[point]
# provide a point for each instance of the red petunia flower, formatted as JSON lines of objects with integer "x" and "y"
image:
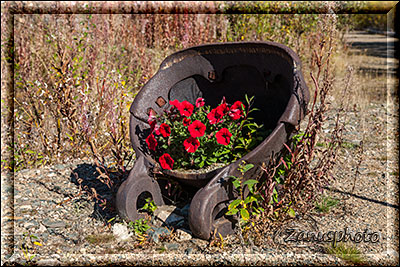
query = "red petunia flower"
{"x": 175, "y": 103}
{"x": 152, "y": 125}
{"x": 215, "y": 115}
{"x": 197, "y": 129}
{"x": 236, "y": 110}
{"x": 238, "y": 105}
{"x": 235, "y": 114}
{"x": 191, "y": 144}
{"x": 166, "y": 162}
{"x": 223, "y": 136}
{"x": 186, "y": 121}
{"x": 200, "y": 102}
{"x": 186, "y": 109}
{"x": 151, "y": 142}
{"x": 165, "y": 130}
{"x": 223, "y": 108}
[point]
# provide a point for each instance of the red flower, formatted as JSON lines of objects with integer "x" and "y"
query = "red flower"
{"x": 165, "y": 130}
{"x": 176, "y": 104}
{"x": 166, "y": 162}
{"x": 215, "y": 115}
{"x": 236, "y": 110}
{"x": 151, "y": 142}
{"x": 200, "y": 102}
{"x": 197, "y": 129}
{"x": 223, "y": 108}
{"x": 191, "y": 144}
{"x": 223, "y": 136}
{"x": 238, "y": 105}
{"x": 186, "y": 121}
{"x": 186, "y": 109}
{"x": 152, "y": 124}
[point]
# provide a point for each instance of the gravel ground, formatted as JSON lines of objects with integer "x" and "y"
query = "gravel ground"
{"x": 70, "y": 227}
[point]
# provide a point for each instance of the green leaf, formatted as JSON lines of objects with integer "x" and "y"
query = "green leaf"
{"x": 70, "y": 137}
{"x": 201, "y": 164}
{"x": 244, "y": 214}
{"x": 37, "y": 243}
{"x": 250, "y": 199}
{"x": 234, "y": 204}
{"x": 275, "y": 195}
{"x": 250, "y": 182}
{"x": 247, "y": 167}
{"x": 258, "y": 210}
{"x": 236, "y": 183}
{"x": 292, "y": 213}
{"x": 232, "y": 212}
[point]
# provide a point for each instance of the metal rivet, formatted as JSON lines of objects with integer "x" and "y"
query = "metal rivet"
{"x": 150, "y": 110}
{"x": 212, "y": 75}
{"x": 160, "y": 101}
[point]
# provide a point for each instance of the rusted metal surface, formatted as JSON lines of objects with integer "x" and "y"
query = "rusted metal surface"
{"x": 269, "y": 71}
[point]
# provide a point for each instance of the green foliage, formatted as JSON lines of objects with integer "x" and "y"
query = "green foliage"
{"x": 139, "y": 226}
{"x": 245, "y": 135}
{"x": 283, "y": 168}
{"x": 325, "y": 204}
{"x": 149, "y": 206}
{"x": 245, "y": 206}
{"x": 30, "y": 242}
{"x": 347, "y": 252}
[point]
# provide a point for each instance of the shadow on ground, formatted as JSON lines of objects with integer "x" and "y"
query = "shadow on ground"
{"x": 375, "y": 45}
{"x": 102, "y": 190}
{"x": 93, "y": 182}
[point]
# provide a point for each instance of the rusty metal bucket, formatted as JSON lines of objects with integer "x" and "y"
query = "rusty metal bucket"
{"x": 269, "y": 71}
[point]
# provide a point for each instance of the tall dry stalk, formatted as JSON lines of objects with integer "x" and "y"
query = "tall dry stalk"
{"x": 307, "y": 167}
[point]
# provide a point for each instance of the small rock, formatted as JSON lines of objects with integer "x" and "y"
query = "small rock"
{"x": 154, "y": 233}
{"x": 53, "y": 224}
{"x": 29, "y": 225}
{"x": 188, "y": 251}
{"x": 59, "y": 166}
{"x": 48, "y": 262}
{"x": 121, "y": 232}
{"x": 171, "y": 246}
{"x": 392, "y": 253}
{"x": 25, "y": 207}
{"x": 182, "y": 235}
{"x": 166, "y": 214}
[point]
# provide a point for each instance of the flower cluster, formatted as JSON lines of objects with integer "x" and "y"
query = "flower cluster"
{"x": 194, "y": 135}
